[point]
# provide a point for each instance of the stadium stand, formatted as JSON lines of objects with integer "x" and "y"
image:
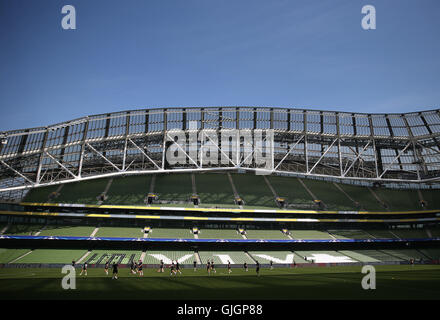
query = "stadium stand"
{"x": 358, "y": 256}
{"x": 324, "y": 257}
{"x": 128, "y": 190}
{"x": 219, "y": 234}
{"x": 381, "y": 234}
{"x": 405, "y": 254}
{"x": 85, "y": 192}
{"x": 24, "y": 229}
{"x": 432, "y": 198}
{"x": 222, "y": 257}
{"x": 253, "y": 190}
{"x": 299, "y": 259}
{"x": 51, "y": 256}
{"x": 9, "y": 255}
{"x": 378, "y": 255}
{"x": 332, "y": 197}
{"x": 214, "y": 190}
{"x": 67, "y": 231}
{"x": 309, "y": 234}
{"x": 336, "y": 176}
{"x": 410, "y": 233}
{"x": 24, "y": 256}
{"x": 274, "y": 256}
{"x": 265, "y": 234}
{"x": 398, "y": 199}
{"x": 350, "y": 234}
{"x": 171, "y": 233}
{"x": 174, "y": 188}
{"x": 293, "y": 190}
{"x": 365, "y": 199}
{"x": 435, "y": 232}
{"x": 120, "y": 232}
{"x": 374, "y": 234}
{"x": 41, "y": 194}
{"x": 431, "y": 253}
{"x": 118, "y": 256}
{"x": 154, "y": 257}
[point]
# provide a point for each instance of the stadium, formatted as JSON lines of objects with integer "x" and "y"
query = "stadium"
{"x": 335, "y": 191}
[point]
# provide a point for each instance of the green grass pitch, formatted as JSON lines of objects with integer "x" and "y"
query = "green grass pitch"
{"x": 392, "y": 282}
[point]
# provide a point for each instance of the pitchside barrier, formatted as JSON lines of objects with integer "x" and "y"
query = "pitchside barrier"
{"x": 202, "y": 267}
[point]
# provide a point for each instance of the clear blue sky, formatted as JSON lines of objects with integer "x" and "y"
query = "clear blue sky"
{"x": 138, "y": 54}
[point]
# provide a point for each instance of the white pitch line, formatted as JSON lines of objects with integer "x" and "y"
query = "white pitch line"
{"x": 83, "y": 257}
{"x": 38, "y": 233}
{"x": 88, "y": 252}
{"x": 24, "y": 255}
{"x": 5, "y": 228}
{"x": 197, "y": 257}
{"x": 331, "y": 235}
{"x": 142, "y": 257}
{"x": 94, "y": 232}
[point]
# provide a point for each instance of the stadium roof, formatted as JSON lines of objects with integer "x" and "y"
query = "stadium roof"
{"x": 356, "y": 146}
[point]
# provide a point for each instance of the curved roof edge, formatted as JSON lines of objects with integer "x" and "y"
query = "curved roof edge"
{"x": 122, "y": 112}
